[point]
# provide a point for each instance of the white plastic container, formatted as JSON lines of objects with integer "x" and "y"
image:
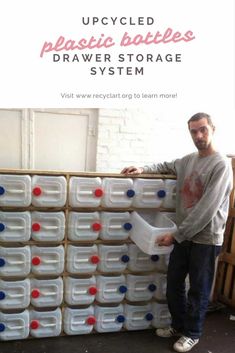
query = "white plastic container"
{"x": 171, "y": 215}
{"x": 111, "y": 289}
{"x": 85, "y": 191}
{"x": 15, "y": 190}
{"x": 148, "y": 226}
{"x": 161, "y": 315}
{"x": 48, "y": 226}
{"x": 47, "y": 260}
{"x": 84, "y": 225}
{"x": 46, "y": 292}
{"x": 160, "y": 280}
{"x": 45, "y": 323}
{"x": 109, "y": 319}
{"x": 170, "y": 200}
{"x": 49, "y": 191}
{"x": 115, "y": 225}
{"x": 14, "y": 326}
{"x": 138, "y": 317}
{"x": 82, "y": 259}
{"x": 113, "y": 258}
{"x": 15, "y": 226}
{"x": 139, "y": 287}
{"x": 141, "y": 262}
{"x": 80, "y": 291}
{"x": 15, "y": 262}
{"x": 14, "y": 294}
{"x": 118, "y": 192}
{"x": 149, "y": 193}
{"x": 162, "y": 264}
{"x": 78, "y": 321}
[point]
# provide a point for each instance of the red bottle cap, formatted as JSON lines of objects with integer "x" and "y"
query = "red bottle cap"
{"x": 92, "y": 290}
{"x": 91, "y": 320}
{"x": 98, "y": 192}
{"x": 36, "y": 227}
{"x": 37, "y": 191}
{"x": 35, "y": 293}
{"x": 94, "y": 259}
{"x": 34, "y": 324}
{"x": 36, "y": 260}
{"x": 96, "y": 227}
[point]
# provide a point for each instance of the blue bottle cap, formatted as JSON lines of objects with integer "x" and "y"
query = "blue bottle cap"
{"x": 2, "y": 295}
{"x": 125, "y": 258}
{"x": 2, "y": 327}
{"x": 130, "y": 193}
{"x": 127, "y": 226}
{"x": 2, "y": 262}
{"x": 152, "y": 287}
{"x": 2, "y": 227}
{"x": 155, "y": 258}
{"x": 120, "y": 318}
{"x": 122, "y": 289}
{"x": 149, "y": 316}
{"x": 2, "y": 190}
{"x": 161, "y": 193}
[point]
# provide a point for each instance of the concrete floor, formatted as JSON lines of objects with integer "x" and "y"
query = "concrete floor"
{"x": 219, "y": 337}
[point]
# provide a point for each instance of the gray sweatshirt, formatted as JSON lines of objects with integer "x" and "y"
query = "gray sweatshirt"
{"x": 202, "y": 197}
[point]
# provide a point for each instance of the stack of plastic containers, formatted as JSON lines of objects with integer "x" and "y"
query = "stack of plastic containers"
{"x": 78, "y": 253}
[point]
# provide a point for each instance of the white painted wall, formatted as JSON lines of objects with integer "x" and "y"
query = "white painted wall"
{"x": 103, "y": 140}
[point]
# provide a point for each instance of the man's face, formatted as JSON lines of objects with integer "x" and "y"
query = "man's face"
{"x": 201, "y": 133}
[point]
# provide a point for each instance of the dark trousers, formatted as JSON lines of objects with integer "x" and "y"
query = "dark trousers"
{"x": 188, "y": 309}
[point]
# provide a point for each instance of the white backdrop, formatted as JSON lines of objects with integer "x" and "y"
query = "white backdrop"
{"x": 202, "y": 81}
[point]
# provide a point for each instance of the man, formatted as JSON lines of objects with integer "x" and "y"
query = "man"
{"x": 204, "y": 183}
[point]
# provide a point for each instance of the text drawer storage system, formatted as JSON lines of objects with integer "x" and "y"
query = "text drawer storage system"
{"x": 68, "y": 265}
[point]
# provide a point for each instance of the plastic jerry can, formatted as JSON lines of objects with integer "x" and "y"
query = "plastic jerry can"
{"x": 45, "y": 323}
{"x": 141, "y": 262}
{"x": 161, "y": 315}
{"x": 84, "y": 225}
{"x": 14, "y": 294}
{"x": 78, "y": 321}
{"x": 49, "y": 191}
{"x": 15, "y": 190}
{"x": 149, "y": 193}
{"x": 138, "y": 317}
{"x": 115, "y": 225}
{"x": 15, "y": 226}
{"x": 14, "y": 326}
{"x": 171, "y": 215}
{"x": 85, "y": 191}
{"x": 80, "y": 291}
{"x": 139, "y": 287}
{"x": 82, "y": 259}
{"x": 162, "y": 264}
{"x": 46, "y": 292}
{"x": 48, "y": 226}
{"x": 47, "y": 260}
{"x": 170, "y": 200}
{"x": 15, "y": 262}
{"x": 113, "y": 258}
{"x": 111, "y": 289}
{"x": 148, "y": 226}
{"x": 109, "y": 319}
{"x": 161, "y": 283}
{"x": 118, "y": 192}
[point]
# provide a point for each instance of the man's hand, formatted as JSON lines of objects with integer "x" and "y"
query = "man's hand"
{"x": 165, "y": 240}
{"x": 132, "y": 170}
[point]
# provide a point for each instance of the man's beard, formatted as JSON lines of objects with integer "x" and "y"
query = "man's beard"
{"x": 201, "y": 145}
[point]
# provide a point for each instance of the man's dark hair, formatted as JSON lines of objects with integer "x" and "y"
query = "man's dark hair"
{"x": 199, "y": 116}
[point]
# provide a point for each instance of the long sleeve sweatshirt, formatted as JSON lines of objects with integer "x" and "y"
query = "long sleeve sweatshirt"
{"x": 202, "y": 196}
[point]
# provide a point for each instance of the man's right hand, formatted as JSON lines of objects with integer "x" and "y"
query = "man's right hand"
{"x": 132, "y": 170}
